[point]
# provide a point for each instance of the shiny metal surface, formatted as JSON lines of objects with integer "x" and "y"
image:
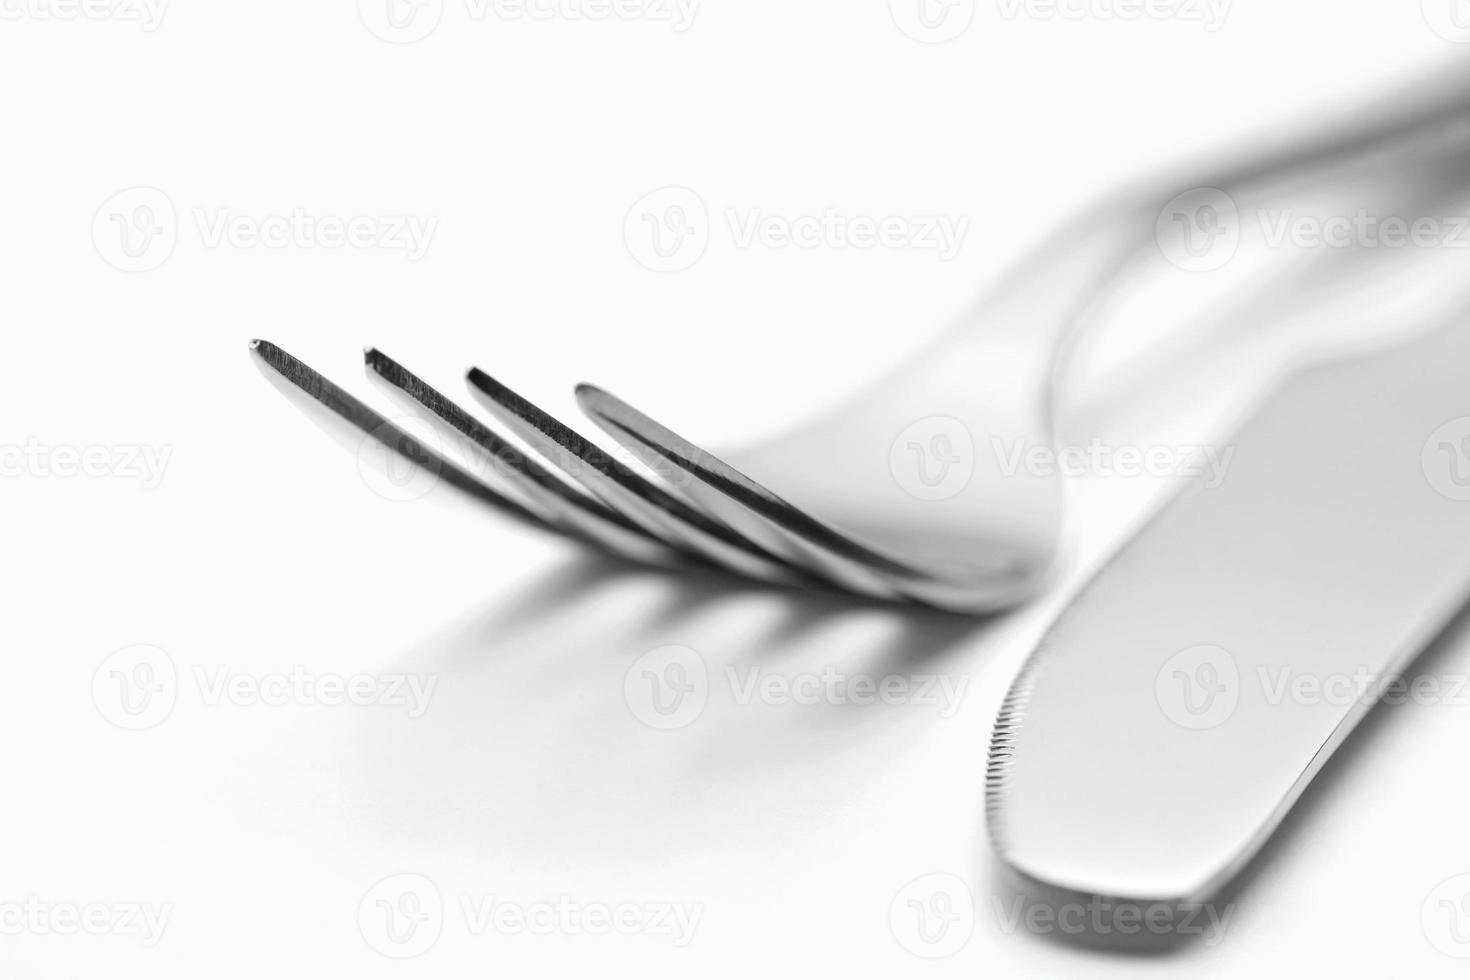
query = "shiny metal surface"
{"x": 563, "y": 508}
{"x": 369, "y": 420}
{"x": 900, "y": 492}
{"x": 651, "y": 506}
{"x": 1179, "y": 706}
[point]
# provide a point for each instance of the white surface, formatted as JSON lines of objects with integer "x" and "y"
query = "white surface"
{"x": 793, "y": 827}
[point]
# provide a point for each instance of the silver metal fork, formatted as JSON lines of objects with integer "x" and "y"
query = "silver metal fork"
{"x": 889, "y": 496}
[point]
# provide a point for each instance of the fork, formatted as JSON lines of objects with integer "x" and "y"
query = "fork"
{"x": 895, "y": 500}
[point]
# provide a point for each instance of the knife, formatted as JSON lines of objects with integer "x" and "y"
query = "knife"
{"x": 1182, "y": 702}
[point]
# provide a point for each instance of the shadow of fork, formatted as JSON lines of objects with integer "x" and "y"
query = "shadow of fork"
{"x": 532, "y": 740}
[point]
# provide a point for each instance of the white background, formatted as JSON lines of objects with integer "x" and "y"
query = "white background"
{"x": 794, "y": 828}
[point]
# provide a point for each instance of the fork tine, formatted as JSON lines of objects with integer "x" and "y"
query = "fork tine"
{"x": 377, "y": 426}
{"x": 645, "y": 503}
{"x": 754, "y": 510}
{"x": 563, "y": 504}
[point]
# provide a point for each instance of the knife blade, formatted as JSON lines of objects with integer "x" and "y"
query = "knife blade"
{"x": 1182, "y": 702}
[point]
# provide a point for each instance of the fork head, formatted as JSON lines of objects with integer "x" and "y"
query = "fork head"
{"x": 880, "y": 521}
{"x": 701, "y": 512}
